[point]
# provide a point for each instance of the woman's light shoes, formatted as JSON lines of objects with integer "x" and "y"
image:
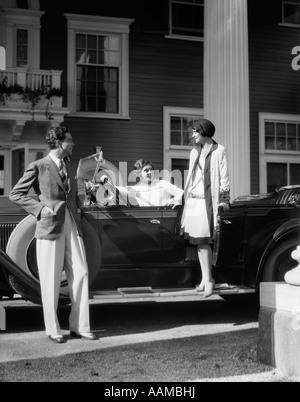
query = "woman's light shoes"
{"x": 201, "y": 287}
{"x": 207, "y": 289}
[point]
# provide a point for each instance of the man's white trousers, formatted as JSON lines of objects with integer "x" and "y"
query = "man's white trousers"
{"x": 53, "y": 256}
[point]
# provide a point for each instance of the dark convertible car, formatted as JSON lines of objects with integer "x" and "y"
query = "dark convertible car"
{"x": 140, "y": 253}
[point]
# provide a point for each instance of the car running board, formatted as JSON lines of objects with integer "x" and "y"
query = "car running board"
{"x": 149, "y": 292}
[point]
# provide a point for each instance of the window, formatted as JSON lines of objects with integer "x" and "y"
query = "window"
{"x": 98, "y": 62}
{"x": 187, "y": 19}
{"x": 178, "y": 124}
{"x": 18, "y": 163}
{"x": 282, "y": 136}
{"x": 279, "y": 150}
{"x": 22, "y": 47}
{"x": 181, "y": 131}
{"x": 282, "y": 174}
{"x": 98, "y": 80}
{"x": 290, "y": 14}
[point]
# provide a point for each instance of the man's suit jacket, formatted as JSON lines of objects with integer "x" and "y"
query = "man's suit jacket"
{"x": 43, "y": 176}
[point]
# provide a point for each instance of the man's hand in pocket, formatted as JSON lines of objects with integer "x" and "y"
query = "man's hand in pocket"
{"x": 47, "y": 212}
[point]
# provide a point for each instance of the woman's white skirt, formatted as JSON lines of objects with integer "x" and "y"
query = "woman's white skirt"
{"x": 195, "y": 225}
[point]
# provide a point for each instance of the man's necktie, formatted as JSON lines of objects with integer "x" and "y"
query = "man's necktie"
{"x": 63, "y": 175}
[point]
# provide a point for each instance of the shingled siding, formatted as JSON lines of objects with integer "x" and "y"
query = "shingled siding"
{"x": 163, "y": 72}
{"x": 274, "y": 85}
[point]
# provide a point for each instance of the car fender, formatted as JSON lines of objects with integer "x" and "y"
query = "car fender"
{"x": 288, "y": 229}
{"x": 30, "y": 287}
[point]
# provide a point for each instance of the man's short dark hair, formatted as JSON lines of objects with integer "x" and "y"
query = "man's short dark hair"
{"x": 54, "y": 134}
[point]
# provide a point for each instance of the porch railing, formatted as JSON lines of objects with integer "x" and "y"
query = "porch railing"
{"x": 33, "y": 79}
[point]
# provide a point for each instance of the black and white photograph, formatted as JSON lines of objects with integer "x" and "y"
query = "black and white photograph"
{"x": 150, "y": 194}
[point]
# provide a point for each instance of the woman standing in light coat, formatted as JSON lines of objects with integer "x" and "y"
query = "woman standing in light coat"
{"x": 206, "y": 189}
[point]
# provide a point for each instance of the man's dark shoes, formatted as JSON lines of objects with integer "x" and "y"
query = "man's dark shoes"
{"x": 57, "y": 338}
{"x": 89, "y": 336}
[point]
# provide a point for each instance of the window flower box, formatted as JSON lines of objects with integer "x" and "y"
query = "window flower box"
{"x": 15, "y": 101}
{"x": 55, "y": 101}
{"x": 18, "y": 97}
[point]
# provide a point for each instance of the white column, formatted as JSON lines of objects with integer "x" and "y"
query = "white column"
{"x": 226, "y": 85}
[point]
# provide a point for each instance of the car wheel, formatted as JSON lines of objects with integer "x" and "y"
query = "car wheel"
{"x": 280, "y": 261}
{"x": 21, "y": 248}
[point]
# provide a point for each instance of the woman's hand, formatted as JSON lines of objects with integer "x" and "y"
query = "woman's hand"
{"x": 225, "y": 206}
{"x": 172, "y": 203}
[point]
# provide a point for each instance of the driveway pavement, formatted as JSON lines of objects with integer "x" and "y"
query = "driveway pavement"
{"x": 204, "y": 341}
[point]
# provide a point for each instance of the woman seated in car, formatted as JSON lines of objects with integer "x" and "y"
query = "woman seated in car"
{"x": 150, "y": 191}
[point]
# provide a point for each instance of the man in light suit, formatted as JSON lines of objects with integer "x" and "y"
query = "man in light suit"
{"x": 58, "y": 233}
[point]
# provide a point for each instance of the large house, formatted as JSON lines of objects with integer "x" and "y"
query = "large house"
{"x": 134, "y": 76}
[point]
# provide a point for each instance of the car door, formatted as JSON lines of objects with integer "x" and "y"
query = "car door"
{"x": 131, "y": 247}
{"x": 230, "y": 247}
{"x": 173, "y": 244}
{"x": 131, "y": 237}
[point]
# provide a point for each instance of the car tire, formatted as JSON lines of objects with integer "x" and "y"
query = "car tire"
{"x": 280, "y": 261}
{"x": 21, "y": 248}
{"x": 277, "y": 264}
